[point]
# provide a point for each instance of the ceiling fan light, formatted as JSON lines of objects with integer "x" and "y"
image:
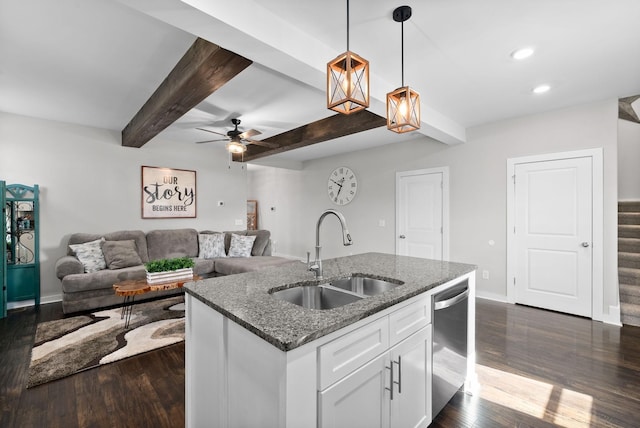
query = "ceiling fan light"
{"x": 236, "y": 147}
{"x": 403, "y": 110}
{"x": 348, "y": 83}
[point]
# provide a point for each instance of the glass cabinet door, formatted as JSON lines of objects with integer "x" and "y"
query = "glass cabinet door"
{"x": 20, "y": 233}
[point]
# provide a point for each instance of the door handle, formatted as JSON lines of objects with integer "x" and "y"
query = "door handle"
{"x": 585, "y": 244}
{"x": 401, "y": 236}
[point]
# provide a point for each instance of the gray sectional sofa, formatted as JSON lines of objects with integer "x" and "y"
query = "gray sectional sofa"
{"x": 82, "y": 291}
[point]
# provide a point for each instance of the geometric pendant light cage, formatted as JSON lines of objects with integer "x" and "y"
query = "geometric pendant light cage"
{"x": 403, "y": 110}
{"x": 348, "y": 81}
{"x": 403, "y": 104}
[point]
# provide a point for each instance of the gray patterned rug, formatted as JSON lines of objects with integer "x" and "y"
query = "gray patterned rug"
{"x": 70, "y": 345}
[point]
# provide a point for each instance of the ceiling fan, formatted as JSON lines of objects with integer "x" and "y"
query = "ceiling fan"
{"x": 237, "y": 140}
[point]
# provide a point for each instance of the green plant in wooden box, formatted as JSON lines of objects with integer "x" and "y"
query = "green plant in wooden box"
{"x": 169, "y": 270}
{"x": 164, "y": 265}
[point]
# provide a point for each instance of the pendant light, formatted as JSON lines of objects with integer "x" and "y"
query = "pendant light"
{"x": 403, "y": 104}
{"x": 348, "y": 81}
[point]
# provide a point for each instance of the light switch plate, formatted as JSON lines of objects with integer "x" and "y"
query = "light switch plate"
{"x": 238, "y": 222}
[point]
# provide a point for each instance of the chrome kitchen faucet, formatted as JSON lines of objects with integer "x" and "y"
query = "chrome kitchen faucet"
{"x": 346, "y": 240}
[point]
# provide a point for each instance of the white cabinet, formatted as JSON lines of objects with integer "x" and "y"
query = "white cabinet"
{"x": 392, "y": 389}
{"x": 359, "y": 400}
{"x": 343, "y": 379}
{"x": 411, "y": 403}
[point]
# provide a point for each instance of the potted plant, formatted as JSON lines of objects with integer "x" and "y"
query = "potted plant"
{"x": 168, "y": 270}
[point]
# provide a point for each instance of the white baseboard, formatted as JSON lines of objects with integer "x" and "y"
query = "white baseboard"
{"x": 491, "y": 296}
{"x": 31, "y": 302}
{"x": 613, "y": 317}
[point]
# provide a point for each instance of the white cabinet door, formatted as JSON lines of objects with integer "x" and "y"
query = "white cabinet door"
{"x": 358, "y": 400}
{"x": 411, "y": 403}
{"x": 363, "y": 398}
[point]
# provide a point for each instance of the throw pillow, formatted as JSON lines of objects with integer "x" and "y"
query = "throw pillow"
{"x": 90, "y": 255}
{"x": 241, "y": 245}
{"x": 121, "y": 254}
{"x": 211, "y": 245}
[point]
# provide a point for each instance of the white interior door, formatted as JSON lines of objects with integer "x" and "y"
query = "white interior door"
{"x": 553, "y": 235}
{"x": 420, "y": 214}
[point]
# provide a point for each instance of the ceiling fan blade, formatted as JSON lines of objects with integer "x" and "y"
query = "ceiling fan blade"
{"x": 249, "y": 133}
{"x": 211, "y": 141}
{"x": 261, "y": 143}
{"x": 213, "y": 132}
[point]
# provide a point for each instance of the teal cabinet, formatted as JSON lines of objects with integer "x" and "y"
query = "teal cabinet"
{"x": 21, "y": 249}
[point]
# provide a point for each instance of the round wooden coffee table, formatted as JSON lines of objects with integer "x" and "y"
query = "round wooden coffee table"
{"x": 133, "y": 287}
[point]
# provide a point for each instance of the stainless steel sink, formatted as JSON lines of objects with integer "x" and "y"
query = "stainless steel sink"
{"x": 316, "y": 297}
{"x": 364, "y": 286}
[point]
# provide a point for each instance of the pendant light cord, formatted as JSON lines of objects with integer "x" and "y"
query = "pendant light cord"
{"x": 347, "y": 25}
{"x": 402, "y": 49}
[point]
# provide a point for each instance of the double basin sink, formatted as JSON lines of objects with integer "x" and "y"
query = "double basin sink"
{"x": 335, "y": 293}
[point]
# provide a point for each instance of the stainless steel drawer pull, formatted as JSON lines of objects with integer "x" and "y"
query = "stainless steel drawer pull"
{"x": 399, "y": 382}
{"x": 391, "y": 381}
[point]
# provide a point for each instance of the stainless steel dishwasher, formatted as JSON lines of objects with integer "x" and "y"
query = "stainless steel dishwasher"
{"x": 450, "y": 314}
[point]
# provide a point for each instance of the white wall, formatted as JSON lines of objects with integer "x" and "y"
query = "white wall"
{"x": 477, "y": 188}
{"x": 278, "y": 192}
{"x": 90, "y": 183}
{"x": 628, "y": 160}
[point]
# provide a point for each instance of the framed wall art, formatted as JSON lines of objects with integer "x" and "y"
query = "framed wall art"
{"x": 168, "y": 193}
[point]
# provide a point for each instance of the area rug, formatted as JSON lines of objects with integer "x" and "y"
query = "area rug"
{"x": 70, "y": 345}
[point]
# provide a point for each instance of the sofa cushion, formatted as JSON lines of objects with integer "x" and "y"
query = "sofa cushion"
{"x": 171, "y": 243}
{"x": 241, "y": 245}
{"x": 80, "y": 238}
{"x": 102, "y": 279}
{"x": 211, "y": 245}
{"x": 230, "y": 266}
{"x": 90, "y": 255}
{"x": 137, "y": 235}
{"x": 203, "y": 266}
{"x": 259, "y": 245}
{"x": 121, "y": 254}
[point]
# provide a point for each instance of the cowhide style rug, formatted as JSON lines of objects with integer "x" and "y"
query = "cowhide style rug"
{"x": 70, "y": 345}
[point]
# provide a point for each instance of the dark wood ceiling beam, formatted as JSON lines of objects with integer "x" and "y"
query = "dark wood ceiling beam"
{"x": 203, "y": 69}
{"x": 326, "y": 129}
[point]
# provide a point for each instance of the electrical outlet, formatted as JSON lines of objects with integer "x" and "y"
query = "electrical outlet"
{"x": 238, "y": 222}
{"x": 485, "y": 274}
{"x": 382, "y": 223}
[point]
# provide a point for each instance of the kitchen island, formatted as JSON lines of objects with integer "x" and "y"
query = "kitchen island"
{"x": 255, "y": 360}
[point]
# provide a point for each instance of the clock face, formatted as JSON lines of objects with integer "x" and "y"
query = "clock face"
{"x": 342, "y": 185}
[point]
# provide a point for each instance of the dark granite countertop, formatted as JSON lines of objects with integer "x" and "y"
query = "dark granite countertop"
{"x": 245, "y": 299}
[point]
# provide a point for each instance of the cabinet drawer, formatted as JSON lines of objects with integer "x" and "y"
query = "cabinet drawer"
{"x": 345, "y": 354}
{"x": 406, "y": 321}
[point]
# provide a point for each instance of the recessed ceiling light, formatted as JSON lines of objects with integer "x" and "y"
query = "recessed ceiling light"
{"x": 541, "y": 89}
{"x": 522, "y": 53}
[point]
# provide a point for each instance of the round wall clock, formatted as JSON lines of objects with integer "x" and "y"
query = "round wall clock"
{"x": 342, "y": 185}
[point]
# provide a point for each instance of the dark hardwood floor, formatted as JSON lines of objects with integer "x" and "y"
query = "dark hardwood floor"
{"x": 535, "y": 369}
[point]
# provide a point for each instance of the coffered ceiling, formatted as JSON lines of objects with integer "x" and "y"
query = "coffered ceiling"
{"x": 96, "y": 62}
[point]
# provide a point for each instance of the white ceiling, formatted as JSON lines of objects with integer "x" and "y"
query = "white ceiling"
{"x": 95, "y": 62}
